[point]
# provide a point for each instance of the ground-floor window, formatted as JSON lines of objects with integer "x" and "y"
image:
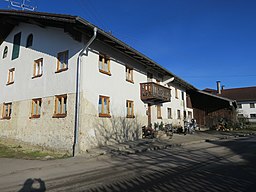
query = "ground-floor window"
{"x": 253, "y": 116}
{"x": 103, "y": 106}
{"x": 7, "y": 111}
{"x": 130, "y": 109}
{"x": 169, "y": 113}
{"x": 159, "y": 113}
{"x": 60, "y": 109}
{"x": 36, "y": 108}
{"x": 178, "y": 114}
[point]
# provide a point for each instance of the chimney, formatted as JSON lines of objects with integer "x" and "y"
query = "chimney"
{"x": 218, "y": 87}
{"x": 222, "y": 87}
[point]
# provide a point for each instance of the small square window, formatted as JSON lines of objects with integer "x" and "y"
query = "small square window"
{"x": 62, "y": 61}
{"x": 7, "y": 111}
{"x": 253, "y": 116}
{"x": 10, "y": 79}
{"x": 130, "y": 109}
{"x": 36, "y": 108}
{"x": 103, "y": 106}
{"x": 38, "y": 68}
{"x": 252, "y": 105}
{"x": 176, "y": 93}
{"x": 60, "y": 109}
{"x": 239, "y": 106}
{"x": 129, "y": 74}
{"x": 104, "y": 64}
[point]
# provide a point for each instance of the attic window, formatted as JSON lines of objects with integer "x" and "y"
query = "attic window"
{"x": 16, "y": 46}
{"x": 29, "y": 41}
{"x": 5, "y": 52}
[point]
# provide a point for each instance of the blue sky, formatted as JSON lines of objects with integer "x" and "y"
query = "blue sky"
{"x": 201, "y": 41}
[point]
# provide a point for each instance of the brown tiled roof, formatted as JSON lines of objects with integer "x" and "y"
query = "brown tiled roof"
{"x": 238, "y": 94}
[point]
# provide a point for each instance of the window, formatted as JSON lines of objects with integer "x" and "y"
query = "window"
{"x": 184, "y": 114}
{"x": 62, "y": 61}
{"x": 5, "y": 52}
{"x": 104, "y": 64}
{"x": 239, "y": 106}
{"x": 36, "y": 108}
{"x": 129, "y": 74}
{"x": 130, "y": 109}
{"x": 29, "y": 41}
{"x": 159, "y": 114}
{"x": 169, "y": 113}
{"x": 176, "y": 93}
{"x": 60, "y": 109}
{"x": 11, "y": 74}
{"x": 7, "y": 111}
{"x": 182, "y": 96}
{"x": 252, "y": 105}
{"x": 38, "y": 68}
{"x": 253, "y": 116}
{"x": 189, "y": 115}
{"x": 240, "y": 115}
{"x": 178, "y": 114}
{"x": 103, "y": 106}
{"x": 16, "y": 46}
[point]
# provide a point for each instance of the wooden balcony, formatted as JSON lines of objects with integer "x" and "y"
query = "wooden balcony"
{"x": 154, "y": 93}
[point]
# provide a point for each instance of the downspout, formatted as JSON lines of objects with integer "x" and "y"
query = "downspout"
{"x": 77, "y": 105}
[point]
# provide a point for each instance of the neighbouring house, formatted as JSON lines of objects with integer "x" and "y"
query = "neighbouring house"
{"x": 244, "y": 96}
{"x": 67, "y": 85}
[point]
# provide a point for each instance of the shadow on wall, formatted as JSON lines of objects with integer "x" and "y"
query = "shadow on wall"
{"x": 33, "y": 185}
{"x": 117, "y": 130}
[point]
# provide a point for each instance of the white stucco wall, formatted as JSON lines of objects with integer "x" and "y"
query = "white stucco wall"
{"x": 246, "y": 110}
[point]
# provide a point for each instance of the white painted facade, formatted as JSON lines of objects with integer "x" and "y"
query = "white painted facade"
{"x": 247, "y": 109}
{"x": 58, "y": 133}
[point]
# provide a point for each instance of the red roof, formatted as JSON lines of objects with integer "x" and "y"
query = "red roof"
{"x": 238, "y": 94}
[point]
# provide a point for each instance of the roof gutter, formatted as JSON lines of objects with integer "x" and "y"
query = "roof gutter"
{"x": 77, "y": 105}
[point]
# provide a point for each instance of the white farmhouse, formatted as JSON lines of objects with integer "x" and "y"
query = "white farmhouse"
{"x": 68, "y": 85}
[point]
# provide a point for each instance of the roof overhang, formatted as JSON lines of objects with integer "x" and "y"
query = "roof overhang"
{"x": 77, "y": 26}
{"x": 209, "y": 102}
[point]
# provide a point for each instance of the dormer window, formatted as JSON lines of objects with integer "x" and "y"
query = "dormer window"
{"x": 29, "y": 41}
{"x": 5, "y": 52}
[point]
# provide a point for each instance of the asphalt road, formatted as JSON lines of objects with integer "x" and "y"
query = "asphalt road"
{"x": 225, "y": 165}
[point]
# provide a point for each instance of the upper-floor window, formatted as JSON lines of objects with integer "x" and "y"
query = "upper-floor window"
{"x": 129, "y": 74}
{"x": 38, "y": 68}
{"x": 130, "y": 109}
{"x": 176, "y": 93}
{"x": 104, "y": 64}
{"x": 7, "y": 111}
{"x": 29, "y": 41}
{"x": 182, "y": 95}
{"x": 103, "y": 106}
{"x": 252, "y": 105}
{"x": 169, "y": 113}
{"x": 5, "y": 52}
{"x": 239, "y": 106}
{"x": 60, "y": 109}
{"x": 11, "y": 73}
{"x": 16, "y": 46}
{"x": 159, "y": 112}
{"x": 62, "y": 61}
{"x": 36, "y": 108}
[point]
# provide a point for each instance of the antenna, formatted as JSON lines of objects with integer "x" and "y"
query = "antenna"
{"x": 22, "y": 5}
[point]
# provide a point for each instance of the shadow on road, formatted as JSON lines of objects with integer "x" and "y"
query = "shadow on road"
{"x": 33, "y": 185}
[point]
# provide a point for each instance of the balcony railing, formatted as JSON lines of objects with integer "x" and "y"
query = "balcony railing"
{"x": 154, "y": 93}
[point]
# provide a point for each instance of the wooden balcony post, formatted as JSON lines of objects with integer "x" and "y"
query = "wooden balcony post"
{"x": 149, "y": 115}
